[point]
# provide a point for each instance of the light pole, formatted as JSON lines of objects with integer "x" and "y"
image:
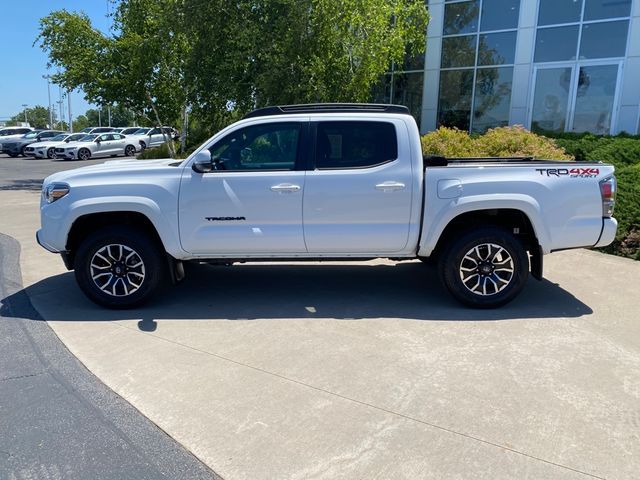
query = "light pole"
{"x": 70, "y": 116}
{"x": 48, "y": 78}
{"x": 24, "y": 106}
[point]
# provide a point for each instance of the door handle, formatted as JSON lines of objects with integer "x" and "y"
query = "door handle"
{"x": 285, "y": 187}
{"x": 390, "y": 186}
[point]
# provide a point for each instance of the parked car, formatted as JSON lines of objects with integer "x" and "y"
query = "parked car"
{"x": 154, "y": 137}
{"x": 129, "y": 130}
{"x": 17, "y": 146}
{"x": 96, "y": 146}
{"x": 89, "y": 130}
{"x": 314, "y": 182}
{"x": 7, "y": 133}
{"x": 47, "y": 149}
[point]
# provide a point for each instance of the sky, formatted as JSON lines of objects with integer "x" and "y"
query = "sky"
{"x": 22, "y": 64}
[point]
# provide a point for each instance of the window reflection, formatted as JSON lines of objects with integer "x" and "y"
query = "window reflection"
{"x": 593, "y": 45}
{"x": 499, "y": 14}
{"x": 550, "y": 100}
{"x": 557, "y": 43}
{"x": 552, "y": 12}
{"x": 459, "y": 51}
{"x": 454, "y": 108}
{"x": 461, "y": 17}
{"x": 599, "y": 9}
{"x": 594, "y": 99}
{"x": 497, "y": 48}
{"x": 492, "y": 98}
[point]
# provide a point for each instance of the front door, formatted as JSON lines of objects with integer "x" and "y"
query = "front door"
{"x": 252, "y": 202}
{"x": 358, "y": 197}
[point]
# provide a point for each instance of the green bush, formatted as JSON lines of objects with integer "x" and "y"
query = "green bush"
{"x": 513, "y": 141}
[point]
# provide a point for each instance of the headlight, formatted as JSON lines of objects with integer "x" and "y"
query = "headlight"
{"x": 55, "y": 191}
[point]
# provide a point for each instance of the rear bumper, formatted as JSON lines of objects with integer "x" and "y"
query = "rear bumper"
{"x": 608, "y": 233}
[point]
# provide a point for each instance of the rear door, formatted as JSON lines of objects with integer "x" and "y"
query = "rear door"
{"x": 252, "y": 202}
{"x": 358, "y": 192}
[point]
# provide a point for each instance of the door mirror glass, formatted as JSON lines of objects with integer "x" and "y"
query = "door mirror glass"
{"x": 202, "y": 162}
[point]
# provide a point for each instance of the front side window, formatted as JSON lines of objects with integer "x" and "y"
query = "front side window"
{"x": 271, "y": 146}
{"x": 355, "y": 144}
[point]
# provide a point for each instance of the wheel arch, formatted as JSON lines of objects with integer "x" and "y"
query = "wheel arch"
{"x": 512, "y": 219}
{"x": 88, "y": 223}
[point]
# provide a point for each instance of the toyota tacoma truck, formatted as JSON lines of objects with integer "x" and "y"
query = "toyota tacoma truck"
{"x": 319, "y": 182}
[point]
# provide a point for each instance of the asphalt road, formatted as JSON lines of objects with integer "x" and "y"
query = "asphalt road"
{"x": 27, "y": 173}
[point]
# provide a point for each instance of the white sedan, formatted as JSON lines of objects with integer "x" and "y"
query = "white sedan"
{"x": 47, "y": 149}
{"x": 95, "y": 146}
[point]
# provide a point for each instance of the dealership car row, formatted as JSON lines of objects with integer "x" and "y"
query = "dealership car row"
{"x": 91, "y": 142}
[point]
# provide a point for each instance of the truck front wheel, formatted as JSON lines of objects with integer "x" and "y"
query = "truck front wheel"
{"x": 485, "y": 268}
{"x": 119, "y": 267}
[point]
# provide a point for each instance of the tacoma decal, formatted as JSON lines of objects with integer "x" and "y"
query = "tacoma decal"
{"x": 224, "y": 219}
{"x": 571, "y": 172}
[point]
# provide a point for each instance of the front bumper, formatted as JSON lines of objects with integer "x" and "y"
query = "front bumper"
{"x": 608, "y": 234}
{"x": 45, "y": 245}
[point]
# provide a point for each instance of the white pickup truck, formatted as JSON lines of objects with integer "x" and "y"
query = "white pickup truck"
{"x": 328, "y": 181}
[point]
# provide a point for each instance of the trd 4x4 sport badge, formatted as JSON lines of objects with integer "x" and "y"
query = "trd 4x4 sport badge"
{"x": 571, "y": 172}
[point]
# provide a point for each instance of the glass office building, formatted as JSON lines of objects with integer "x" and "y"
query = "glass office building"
{"x": 550, "y": 65}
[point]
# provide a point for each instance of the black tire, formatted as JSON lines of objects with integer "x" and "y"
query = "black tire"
{"x": 13, "y": 155}
{"x": 103, "y": 289}
{"x": 142, "y": 145}
{"x": 129, "y": 151}
{"x": 84, "y": 154}
{"x": 23, "y": 151}
{"x": 51, "y": 152}
{"x": 484, "y": 268}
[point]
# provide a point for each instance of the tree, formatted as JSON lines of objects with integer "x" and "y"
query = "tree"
{"x": 220, "y": 59}
{"x": 120, "y": 116}
{"x": 252, "y": 53}
{"x": 38, "y": 117}
{"x": 80, "y": 122}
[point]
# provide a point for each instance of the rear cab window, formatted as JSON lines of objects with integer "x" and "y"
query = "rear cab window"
{"x": 354, "y": 144}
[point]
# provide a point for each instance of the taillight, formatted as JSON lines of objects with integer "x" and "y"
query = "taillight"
{"x": 608, "y": 193}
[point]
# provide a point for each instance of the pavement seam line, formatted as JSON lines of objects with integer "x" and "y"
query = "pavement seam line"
{"x": 360, "y": 402}
{"x": 22, "y": 376}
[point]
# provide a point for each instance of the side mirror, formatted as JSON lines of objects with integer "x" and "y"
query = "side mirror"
{"x": 202, "y": 162}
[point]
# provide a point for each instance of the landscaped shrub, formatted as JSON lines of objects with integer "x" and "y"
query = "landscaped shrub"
{"x": 448, "y": 142}
{"x": 513, "y": 141}
{"x": 517, "y": 141}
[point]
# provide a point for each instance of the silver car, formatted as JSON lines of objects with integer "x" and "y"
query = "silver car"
{"x": 96, "y": 146}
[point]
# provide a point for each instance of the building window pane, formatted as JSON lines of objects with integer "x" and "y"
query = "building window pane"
{"x": 552, "y": 12}
{"x": 459, "y": 51}
{"x": 461, "y": 17}
{"x": 492, "y": 98}
{"x": 602, "y": 40}
{"x": 555, "y": 44}
{"x": 413, "y": 62}
{"x": 454, "y": 106}
{"x": 550, "y": 100}
{"x": 497, "y": 48}
{"x": 499, "y": 14}
{"x": 407, "y": 91}
{"x": 597, "y": 9}
{"x": 594, "y": 99}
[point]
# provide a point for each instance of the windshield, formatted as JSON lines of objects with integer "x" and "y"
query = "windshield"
{"x": 129, "y": 131}
{"x": 142, "y": 131}
{"x": 87, "y": 130}
{"x": 59, "y": 138}
{"x": 30, "y": 135}
{"x": 75, "y": 137}
{"x": 88, "y": 138}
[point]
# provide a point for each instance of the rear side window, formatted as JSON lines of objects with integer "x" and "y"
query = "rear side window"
{"x": 355, "y": 144}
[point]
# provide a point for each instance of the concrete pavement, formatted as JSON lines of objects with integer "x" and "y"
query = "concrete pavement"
{"x": 368, "y": 370}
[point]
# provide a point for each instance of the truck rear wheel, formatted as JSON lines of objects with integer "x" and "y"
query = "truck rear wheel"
{"x": 485, "y": 268}
{"x": 119, "y": 267}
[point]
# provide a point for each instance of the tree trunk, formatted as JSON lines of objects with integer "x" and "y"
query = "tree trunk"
{"x": 169, "y": 143}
